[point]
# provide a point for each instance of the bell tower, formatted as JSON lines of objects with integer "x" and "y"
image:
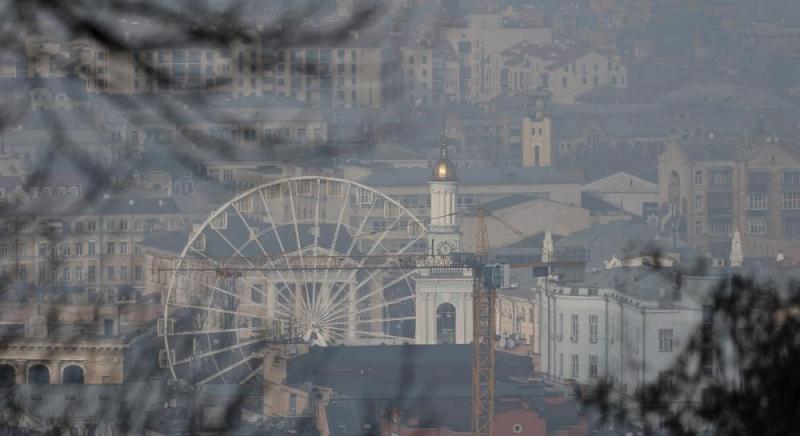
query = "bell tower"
{"x": 443, "y": 297}
{"x": 537, "y": 131}
{"x": 444, "y": 235}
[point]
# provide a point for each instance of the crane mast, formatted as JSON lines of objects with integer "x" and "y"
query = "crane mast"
{"x": 483, "y": 335}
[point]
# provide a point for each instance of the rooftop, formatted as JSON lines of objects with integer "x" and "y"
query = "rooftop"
{"x": 414, "y": 177}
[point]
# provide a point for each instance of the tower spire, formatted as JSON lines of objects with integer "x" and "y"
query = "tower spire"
{"x": 443, "y": 140}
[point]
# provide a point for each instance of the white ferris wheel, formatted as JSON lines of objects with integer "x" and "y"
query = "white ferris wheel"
{"x": 306, "y": 259}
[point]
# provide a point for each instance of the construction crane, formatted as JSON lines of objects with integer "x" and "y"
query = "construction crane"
{"x": 485, "y": 282}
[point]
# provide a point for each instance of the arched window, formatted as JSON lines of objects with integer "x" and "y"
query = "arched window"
{"x": 38, "y": 375}
{"x": 445, "y": 324}
{"x": 8, "y": 376}
{"x": 73, "y": 375}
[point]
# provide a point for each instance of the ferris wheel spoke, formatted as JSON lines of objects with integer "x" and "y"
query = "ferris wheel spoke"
{"x": 359, "y": 231}
{"x": 346, "y": 315}
{"x": 255, "y": 372}
{"x": 228, "y": 369}
{"x": 217, "y": 310}
{"x": 211, "y": 332}
{"x": 338, "y": 308}
{"x": 205, "y": 256}
{"x": 280, "y": 241}
{"x": 296, "y": 229}
{"x": 250, "y": 263}
{"x": 386, "y": 286}
{"x": 402, "y": 250}
{"x": 218, "y": 351}
{"x": 218, "y": 289}
{"x": 316, "y": 224}
{"x": 372, "y": 250}
{"x": 373, "y": 334}
{"x": 277, "y": 237}
{"x": 371, "y": 321}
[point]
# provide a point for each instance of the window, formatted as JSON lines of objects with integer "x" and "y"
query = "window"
{"x": 110, "y": 226}
{"x": 665, "y": 340}
{"x": 110, "y": 248}
{"x": 593, "y": 328}
{"x": 575, "y": 366}
{"x": 220, "y": 222}
{"x": 698, "y": 177}
{"x": 560, "y": 326}
{"x": 91, "y": 248}
{"x": 573, "y": 335}
{"x": 110, "y": 272}
{"x": 79, "y": 248}
{"x": 561, "y": 364}
{"x": 91, "y": 273}
{"x": 123, "y": 248}
{"x": 698, "y": 202}
{"x": 757, "y": 226}
{"x": 757, "y": 201}
{"x": 364, "y": 196}
{"x": 721, "y": 177}
{"x": 160, "y": 328}
{"x": 304, "y": 188}
{"x": 123, "y": 273}
{"x": 593, "y": 366}
{"x": 164, "y": 358}
{"x": 138, "y": 273}
{"x": 791, "y": 200}
{"x": 257, "y": 294}
{"x": 791, "y": 177}
{"x": 720, "y": 203}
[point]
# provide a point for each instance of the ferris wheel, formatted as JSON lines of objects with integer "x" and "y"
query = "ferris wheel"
{"x": 306, "y": 259}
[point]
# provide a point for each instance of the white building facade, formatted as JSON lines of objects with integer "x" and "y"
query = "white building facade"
{"x": 631, "y": 339}
{"x": 444, "y": 295}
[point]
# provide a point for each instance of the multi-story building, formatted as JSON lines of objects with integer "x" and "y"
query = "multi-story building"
{"x": 708, "y": 189}
{"x": 623, "y": 325}
{"x": 479, "y": 48}
{"x": 59, "y": 241}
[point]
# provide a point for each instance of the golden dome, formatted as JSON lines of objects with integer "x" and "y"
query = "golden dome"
{"x": 444, "y": 170}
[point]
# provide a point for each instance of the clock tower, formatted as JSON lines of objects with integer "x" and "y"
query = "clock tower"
{"x": 444, "y": 236}
{"x": 443, "y": 296}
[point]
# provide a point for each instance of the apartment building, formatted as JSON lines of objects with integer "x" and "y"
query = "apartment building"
{"x": 708, "y": 189}
{"x": 346, "y": 75}
{"x": 623, "y": 325}
{"x": 61, "y": 241}
{"x": 565, "y": 73}
{"x": 479, "y": 47}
